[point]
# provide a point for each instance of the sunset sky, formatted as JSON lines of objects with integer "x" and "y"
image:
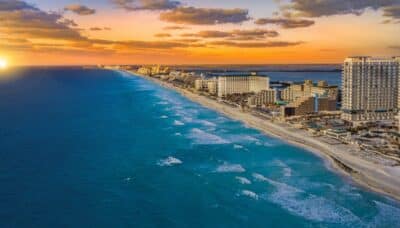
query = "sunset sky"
{"x": 76, "y": 32}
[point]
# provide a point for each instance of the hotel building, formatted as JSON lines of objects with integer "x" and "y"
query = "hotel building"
{"x": 242, "y": 84}
{"x": 265, "y": 97}
{"x": 398, "y": 93}
{"x": 308, "y": 89}
{"x": 308, "y": 105}
{"x": 208, "y": 85}
{"x": 370, "y": 89}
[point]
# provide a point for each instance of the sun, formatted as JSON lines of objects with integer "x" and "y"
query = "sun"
{"x": 3, "y": 64}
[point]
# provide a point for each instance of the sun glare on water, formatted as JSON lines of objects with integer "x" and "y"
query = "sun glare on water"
{"x": 3, "y": 64}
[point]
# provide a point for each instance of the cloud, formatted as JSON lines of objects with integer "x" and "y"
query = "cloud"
{"x": 209, "y": 34}
{"x": 256, "y": 32}
{"x": 396, "y": 47}
{"x": 252, "y": 34}
{"x": 10, "y": 5}
{"x": 287, "y": 23}
{"x": 175, "y": 28}
{"x": 51, "y": 32}
{"x": 132, "y": 5}
{"x": 95, "y": 29}
{"x": 34, "y": 23}
{"x": 392, "y": 12}
{"x": 16, "y": 44}
{"x": 255, "y": 44}
{"x": 26, "y": 28}
{"x": 80, "y": 9}
{"x": 39, "y": 29}
{"x": 135, "y": 44}
{"x": 69, "y": 22}
{"x": 187, "y": 40}
{"x": 162, "y": 35}
{"x": 205, "y": 16}
{"x": 318, "y": 8}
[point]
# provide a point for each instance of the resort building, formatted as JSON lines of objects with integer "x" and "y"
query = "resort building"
{"x": 153, "y": 70}
{"x": 398, "y": 93}
{"x": 308, "y": 105}
{"x": 212, "y": 86}
{"x": 208, "y": 85}
{"x": 242, "y": 84}
{"x": 370, "y": 89}
{"x": 307, "y": 89}
{"x": 144, "y": 71}
{"x": 265, "y": 97}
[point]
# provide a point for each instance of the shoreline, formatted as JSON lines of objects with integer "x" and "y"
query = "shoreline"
{"x": 376, "y": 177}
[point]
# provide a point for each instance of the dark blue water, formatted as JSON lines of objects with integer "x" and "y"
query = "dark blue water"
{"x": 96, "y": 148}
{"x": 333, "y": 78}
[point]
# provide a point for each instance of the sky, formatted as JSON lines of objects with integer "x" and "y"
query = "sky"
{"x": 81, "y": 32}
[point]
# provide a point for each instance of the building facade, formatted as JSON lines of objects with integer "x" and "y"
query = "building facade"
{"x": 308, "y": 89}
{"x": 208, "y": 85}
{"x": 265, "y": 97}
{"x": 370, "y": 89}
{"x": 241, "y": 84}
{"x": 308, "y": 105}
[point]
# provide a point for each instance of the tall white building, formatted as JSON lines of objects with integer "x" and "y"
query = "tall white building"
{"x": 398, "y": 93}
{"x": 370, "y": 89}
{"x": 241, "y": 84}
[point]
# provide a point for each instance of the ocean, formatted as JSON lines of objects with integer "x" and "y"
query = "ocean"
{"x": 98, "y": 148}
{"x": 333, "y": 78}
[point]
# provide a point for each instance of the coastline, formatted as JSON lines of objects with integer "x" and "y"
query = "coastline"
{"x": 376, "y": 177}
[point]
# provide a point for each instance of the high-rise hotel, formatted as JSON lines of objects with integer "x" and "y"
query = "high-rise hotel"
{"x": 370, "y": 89}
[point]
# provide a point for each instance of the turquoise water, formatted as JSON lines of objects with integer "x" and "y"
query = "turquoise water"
{"x": 96, "y": 148}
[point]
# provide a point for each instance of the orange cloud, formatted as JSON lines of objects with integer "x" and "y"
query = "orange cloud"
{"x": 205, "y": 16}
{"x": 80, "y": 9}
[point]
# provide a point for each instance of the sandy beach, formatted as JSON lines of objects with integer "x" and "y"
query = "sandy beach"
{"x": 380, "y": 178}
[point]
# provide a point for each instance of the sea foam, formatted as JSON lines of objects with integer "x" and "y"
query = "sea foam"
{"x": 243, "y": 180}
{"x": 230, "y": 168}
{"x": 250, "y": 194}
{"x": 287, "y": 171}
{"x": 387, "y": 215}
{"x": 169, "y": 161}
{"x": 204, "y": 138}
{"x": 237, "y": 147}
{"x": 308, "y": 206}
{"x": 207, "y": 123}
{"x": 178, "y": 123}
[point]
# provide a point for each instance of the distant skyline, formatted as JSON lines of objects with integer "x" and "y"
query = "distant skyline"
{"x": 65, "y": 32}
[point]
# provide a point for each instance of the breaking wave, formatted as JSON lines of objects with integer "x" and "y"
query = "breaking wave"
{"x": 237, "y": 147}
{"x": 387, "y": 215}
{"x": 250, "y": 194}
{"x": 204, "y": 138}
{"x": 243, "y": 180}
{"x": 287, "y": 171}
{"x": 178, "y": 123}
{"x": 230, "y": 168}
{"x": 308, "y": 206}
{"x": 170, "y": 161}
{"x": 162, "y": 103}
{"x": 207, "y": 123}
